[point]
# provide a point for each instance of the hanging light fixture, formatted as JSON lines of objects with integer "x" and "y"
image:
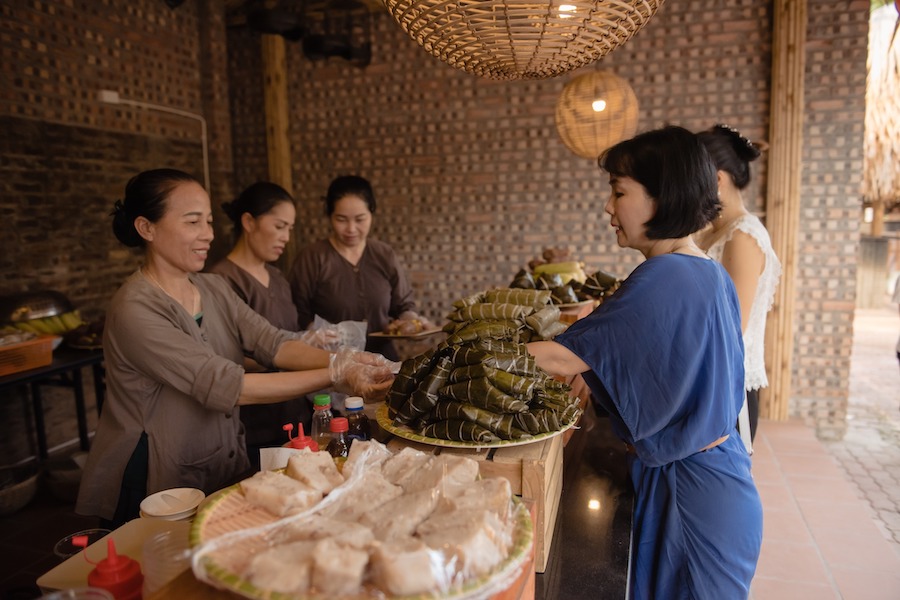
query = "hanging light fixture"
{"x": 596, "y": 111}
{"x": 521, "y": 39}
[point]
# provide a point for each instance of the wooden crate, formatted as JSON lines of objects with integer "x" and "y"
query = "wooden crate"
{"x": 24, "y": 356}
{"x": 534, "y": 472}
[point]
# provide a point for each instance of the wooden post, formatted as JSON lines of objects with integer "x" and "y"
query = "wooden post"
{"x": 783, "y": 199}
{"x": 278, "y": 144}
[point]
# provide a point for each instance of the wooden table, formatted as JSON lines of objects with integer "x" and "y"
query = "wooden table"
{"x": 65, "y": 371}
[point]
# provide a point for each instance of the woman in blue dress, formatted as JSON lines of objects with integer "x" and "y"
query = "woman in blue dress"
{"x": 664, "y": 359}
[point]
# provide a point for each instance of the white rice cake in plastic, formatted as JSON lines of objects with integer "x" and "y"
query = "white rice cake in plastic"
{"x": 315, "y": 469}
{"x": 278, "y": 493}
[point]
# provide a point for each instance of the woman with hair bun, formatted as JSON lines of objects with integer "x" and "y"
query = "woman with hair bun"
{"x": 174, "y": 343}
{"x": 263, "y": 216}
{"x": 739, "y": 240}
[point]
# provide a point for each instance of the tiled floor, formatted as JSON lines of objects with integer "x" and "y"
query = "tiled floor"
{"x": 827, "y": 533}
{"x": 819, "y": 537}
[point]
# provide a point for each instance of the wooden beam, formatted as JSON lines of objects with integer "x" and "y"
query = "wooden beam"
{"x": 783, "y": 197}
{"x": 278, "y": 144}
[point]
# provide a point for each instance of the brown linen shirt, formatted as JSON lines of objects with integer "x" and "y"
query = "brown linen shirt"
{"x": 263, "y": 422}
{"x": 273, "y": 302}
{"x": 178, "y": 381}
{"x": 375, "y": 290}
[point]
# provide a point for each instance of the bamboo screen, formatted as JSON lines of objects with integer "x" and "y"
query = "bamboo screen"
{"x": 881, "y": 175}
{"x": 521, "y": 39}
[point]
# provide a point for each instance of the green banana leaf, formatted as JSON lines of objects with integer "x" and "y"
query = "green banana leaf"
{"x": 494, "y": 311}
{"x": 483, "y": 394}
{"x": 536, "y": 298}
{"x": 458, "y": 431}
{"x": 469, "y": 300}
{"x": 425, "y": 396}
{"x": 504, "y": 330}
{"x": 543, "y": 319}
{"x": 411, "y": 373}
{"x": 500, "y": 346}
{"x": 514, "y": 385}
{"x": 500, "y": 424}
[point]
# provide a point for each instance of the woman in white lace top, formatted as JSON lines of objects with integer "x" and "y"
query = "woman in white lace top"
{"x": 739, "y": 241}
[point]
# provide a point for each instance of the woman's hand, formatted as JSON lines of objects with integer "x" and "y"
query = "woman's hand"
{"x": 362, "y": 373}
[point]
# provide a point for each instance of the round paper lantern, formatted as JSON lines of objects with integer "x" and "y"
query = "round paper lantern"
{"x": 521, "y": 39}
{"x": 596, "y": 111}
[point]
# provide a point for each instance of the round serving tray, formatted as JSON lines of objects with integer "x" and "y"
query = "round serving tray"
{"x": 228, "y": 512}
{"x": 381, "y": 415}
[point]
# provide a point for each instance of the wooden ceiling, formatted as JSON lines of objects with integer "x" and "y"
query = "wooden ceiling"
{"x": 237, "y": 10}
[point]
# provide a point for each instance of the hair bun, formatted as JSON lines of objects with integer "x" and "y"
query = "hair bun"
{"x": 744, "y": 148}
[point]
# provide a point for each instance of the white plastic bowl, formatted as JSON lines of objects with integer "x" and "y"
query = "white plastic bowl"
{"x": 172, "y": 504}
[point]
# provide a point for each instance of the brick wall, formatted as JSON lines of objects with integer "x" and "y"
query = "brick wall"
{"x": 471, "y": 176}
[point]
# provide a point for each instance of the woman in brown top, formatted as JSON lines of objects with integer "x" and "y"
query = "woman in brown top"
{"x": 174, "y": 343}
{"x": 349, "y": 276}
{"x": 263, "y": 217}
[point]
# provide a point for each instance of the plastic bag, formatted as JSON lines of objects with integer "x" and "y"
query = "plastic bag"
{"x": 350, "y": 334}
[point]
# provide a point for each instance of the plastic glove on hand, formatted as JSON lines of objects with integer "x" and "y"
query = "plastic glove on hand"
{"x": 326, "y": 338}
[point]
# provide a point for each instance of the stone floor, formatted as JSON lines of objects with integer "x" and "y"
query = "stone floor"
{"x": 869, "y": 454}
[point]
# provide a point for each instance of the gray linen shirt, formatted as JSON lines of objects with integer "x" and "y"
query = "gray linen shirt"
{"x": 177, "y": 381}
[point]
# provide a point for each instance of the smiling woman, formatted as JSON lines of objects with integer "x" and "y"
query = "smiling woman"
{"x": 174, "y": 344}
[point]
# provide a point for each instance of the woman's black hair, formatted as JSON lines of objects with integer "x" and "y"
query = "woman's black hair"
{"x": 731, "y": 152}
{"x": 145, "y": 196}
{"x": 676, "y": 170}
{"x": 257, "y": 200}
{"x": 349, "y": 185}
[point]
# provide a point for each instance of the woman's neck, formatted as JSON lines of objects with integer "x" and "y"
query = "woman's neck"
{"x": 175, "y": 284}
{"x": 683, "y": 245}
{"x": 732, "y": 208}
{"x": 244, "y": 257}
{"x": 352, "y": 254}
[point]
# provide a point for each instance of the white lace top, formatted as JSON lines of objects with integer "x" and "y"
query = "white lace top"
{"x": 754, "y": 336}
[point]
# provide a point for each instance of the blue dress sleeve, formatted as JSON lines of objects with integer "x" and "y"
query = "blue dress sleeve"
{"x": 666, "y": 356}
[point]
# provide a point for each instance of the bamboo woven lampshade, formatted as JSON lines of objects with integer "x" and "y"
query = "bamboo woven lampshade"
{"x": 596, "y": 111}
{"x": 521, "y": 39}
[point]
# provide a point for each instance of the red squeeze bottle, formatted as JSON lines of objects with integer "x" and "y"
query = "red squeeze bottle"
{"x": 300, "y": 440}
{"x": 118, "y": 574}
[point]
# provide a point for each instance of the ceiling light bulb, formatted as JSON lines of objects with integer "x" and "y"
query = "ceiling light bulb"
{"x": 599, "y": 105}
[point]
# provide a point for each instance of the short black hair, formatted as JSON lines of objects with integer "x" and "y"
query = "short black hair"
{"x": 677, "y": 172}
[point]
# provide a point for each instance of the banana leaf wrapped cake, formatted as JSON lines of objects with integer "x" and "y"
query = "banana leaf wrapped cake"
{"x": 480, "y": 385}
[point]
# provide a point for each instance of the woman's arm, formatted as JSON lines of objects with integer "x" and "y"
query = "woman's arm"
{"x": 744, "y": 260}
{"x": 294, "y": 355}
{"x": 556, "y": 359}
{"x": 269, "y": 388}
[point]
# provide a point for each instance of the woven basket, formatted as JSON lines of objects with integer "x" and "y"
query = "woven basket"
{"x": 18, "y": 495}
{"x": 521, "y": 39}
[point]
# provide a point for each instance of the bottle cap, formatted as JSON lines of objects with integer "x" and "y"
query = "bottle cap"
{"x": 301, "y": 440}
{"x": 339, "y": 424}
{"x": 321, "y": 400}
{"x": 353, "y": 403}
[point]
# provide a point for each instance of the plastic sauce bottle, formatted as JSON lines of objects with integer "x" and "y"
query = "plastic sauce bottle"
{"x": 118, "y": 574}
{"x": 300, "y": 440}
{"x": 321, "y": 420}
{"x": 339, "y": 446}
{"x": 358, "y": 424}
